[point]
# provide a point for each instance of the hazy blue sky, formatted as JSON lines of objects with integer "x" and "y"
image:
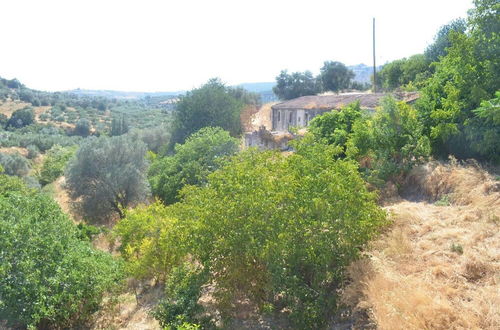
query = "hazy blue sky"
{"x": 148, "y": 45}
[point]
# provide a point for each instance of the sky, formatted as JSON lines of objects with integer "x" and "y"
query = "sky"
{"x": 170, "y": 45}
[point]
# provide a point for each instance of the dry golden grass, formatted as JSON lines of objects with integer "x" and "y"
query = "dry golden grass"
{"x": 438, "y": 267}
{"x": 9, "y": 106}
{"x": 262, "y": 117}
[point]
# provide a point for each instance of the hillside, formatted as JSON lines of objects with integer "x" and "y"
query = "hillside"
{"x": 438, "y": 265}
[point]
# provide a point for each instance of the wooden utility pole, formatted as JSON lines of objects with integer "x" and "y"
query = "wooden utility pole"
{"x": 374, "y": 65}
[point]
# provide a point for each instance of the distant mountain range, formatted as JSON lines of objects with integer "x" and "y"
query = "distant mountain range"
{"x": 120, "y": 94}
{"x": 362, "y": 73}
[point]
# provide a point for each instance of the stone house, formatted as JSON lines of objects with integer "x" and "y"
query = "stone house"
{"x": 300, "y": 111}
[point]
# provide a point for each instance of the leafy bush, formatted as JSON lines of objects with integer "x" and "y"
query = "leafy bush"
{"x": 21, "y": 118}
{"x": 48, "y": 277}
{"x": 335, "y": 127}
{"x": 180, "y": 305}
{"x": 483, "y": 130}
{"x": 54, "y": 163}
{"x": 191, "y": 163}
{"x": 390, "y": 143}
{"x": 14, "y": 164}
{"x": 82, "y": 127}
{"x": 151, "y": 241}
{"x": 33, "y": 151}
{"x": 109, "y": 175}
{"x": 276, "y": 230}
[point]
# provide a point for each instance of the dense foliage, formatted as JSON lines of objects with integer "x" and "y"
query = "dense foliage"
{"x": 467, "y": 75}
{"x": 213, "y": 104}
{"x": 390, "y": 143}
{"x": 54, "y": 163}
{"x": 48, "y": 277}
{"x": 335, "y": 76}
{"x": 335, "y": 127}
{"x": 22, "y": 117}
{"x": 14, "y": 164}
{"x": 296, "y": 84}
{"x": 191, "y": 163}
{"x": 108, "y": 175}
{"x": 276, "y": 230}
{"x": 483, "y": 129}
{"x": 407, "y": 72}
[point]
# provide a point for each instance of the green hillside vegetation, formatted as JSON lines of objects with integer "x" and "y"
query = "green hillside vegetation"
{"x": 222, "y": 235}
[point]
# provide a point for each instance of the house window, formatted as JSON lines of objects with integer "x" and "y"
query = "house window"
{"x": 290, "y": 118}
{"x": 279, "y": 115}
{"x": 307, "y": 119}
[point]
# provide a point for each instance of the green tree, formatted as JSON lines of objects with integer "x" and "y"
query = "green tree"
{"x": 210, "y": 105}
{"x": 82, "y": 127}
{"x": 399, "y": 73}
{"x": 392, "y": 142}
{"x": 119, "y": 125}
{"x": 191, "y": 163}
{"x": 442, "y": 39}
{"x": 109, "y": 175}
{"x": 21, "y": 118}
{"x": 48, "y": 277}
{"x": 335, "y": 76}
{"x": 276, "y": 230}
{"x": 335, "y": 127}
{"x": 468, "y": 74}
{"x": 483, "y": 130}
{"x": 296, "y": 84}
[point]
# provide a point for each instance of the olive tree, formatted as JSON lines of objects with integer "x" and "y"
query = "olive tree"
{"x": 108, "y": 174}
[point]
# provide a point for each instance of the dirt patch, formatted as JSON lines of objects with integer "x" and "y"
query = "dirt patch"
{"x": 8, "y": 107}
{"x": 131, "y": 310}
{"x": 13, "y": 150}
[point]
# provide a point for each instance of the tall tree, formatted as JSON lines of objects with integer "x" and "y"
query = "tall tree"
{"x": 289, "y": 86}
{"x": 442, "y": 39}
{"x": 335, "y": 76}
{"x": 213, "y": 104}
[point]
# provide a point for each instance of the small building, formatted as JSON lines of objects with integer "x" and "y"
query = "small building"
{"x": 300, "y": 111}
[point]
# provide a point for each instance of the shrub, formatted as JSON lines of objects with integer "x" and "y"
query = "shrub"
{"x": 180, "y": 305}
{"x": 14, "y": 164}
{"x": 335, "y": 127}
{"x": 48, "y": 277}
{"x": 191, "y": 163}
{"x": 483, "y": 130}
{"x": 272, "y": 229}
{"x": 33, "y": 151}
{"x": 21, "y": 118}
{"x": 82, "y": 127}
{"x": 393, "y": 140}
{"x": 269, "y": 226}
{"x": 109, "y": 175}
{"x": 54, "y": 163}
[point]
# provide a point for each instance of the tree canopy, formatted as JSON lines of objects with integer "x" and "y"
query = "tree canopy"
{"x": 48, "y": 276}
{"x": 108, "y": 174}
{"x": 335, "y": 76}
{"x": 296, "y": 84}
{"x": 213, "y": 104}
{"x": 191, "y": 163}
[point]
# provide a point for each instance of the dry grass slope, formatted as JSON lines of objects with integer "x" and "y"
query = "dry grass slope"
{"x": 438, "y": 266}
